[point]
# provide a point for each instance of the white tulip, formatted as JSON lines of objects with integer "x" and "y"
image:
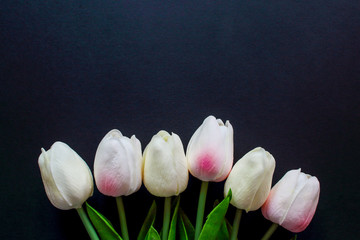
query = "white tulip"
{"x": 165, "y": 171}
{"x": 67, "y": 179}
{"x": 250, "y": 179}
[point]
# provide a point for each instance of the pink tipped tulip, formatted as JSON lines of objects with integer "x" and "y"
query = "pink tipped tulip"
{"x": 292, "y": 201}
{"x": 210, "y": 150}
{"x": 250, "y": 179}
{"x": 165, "y": 171}
{"x": 118, "y": 163}
{"x": 67, "y": 178}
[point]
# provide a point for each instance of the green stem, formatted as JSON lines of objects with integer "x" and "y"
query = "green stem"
{"x": 88, "y": 226}
{"x": 122, "y": 217}
{"x": 166, "y": 220}
{"x": 236, "y": 224}
{"x": 201, "y": 209}
{"x": 270, "y": 231}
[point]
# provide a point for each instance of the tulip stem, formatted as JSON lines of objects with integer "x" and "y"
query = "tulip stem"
{"x": 166, "y": 221}
{"x": 236, "y": 224}
{"x": 201, "y": 208}
{"x": 88, "y": 226}
{"x": 122, "y": 217}
{"x": 270, "y": 231}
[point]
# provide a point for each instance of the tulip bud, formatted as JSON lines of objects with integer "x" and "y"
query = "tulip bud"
{"x": 117, "y": 165}
{"x": 292, "y": 201}
{"x": 165, "y": 172}
{"x": 67, "y": 179}
{"x": 250, "y": 179}
{"x": 210, "y": 150}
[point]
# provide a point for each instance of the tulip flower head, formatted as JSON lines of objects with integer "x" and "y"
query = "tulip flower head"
{"x": 210, "y": 150}
{"x": 292, "y": 201}
{"x": 117, "y": 165}
{"x": 250, "y": 179}
{"x": 164, "y": 171}
{"x": 67, "y": 178}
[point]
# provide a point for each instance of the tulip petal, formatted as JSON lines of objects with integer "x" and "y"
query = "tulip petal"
{"x": 303, "y": 207}
{"x": 66, "y": 168}
{"x": 51, "y": 189}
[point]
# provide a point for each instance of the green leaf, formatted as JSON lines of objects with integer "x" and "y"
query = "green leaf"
{"x": 294, "y": 237}
{"x": 225, "y": 229}
{"x": 172, "y": 230}
{"x": 190, "y": 230}
{"x": 149, "y": 221}
{"x": 182, "y": 230}
{"x": 214, "y": 219}
{"x": 152, "y": 234}
{"x": 223, "y": 233}
{"x": 102, "y": 225}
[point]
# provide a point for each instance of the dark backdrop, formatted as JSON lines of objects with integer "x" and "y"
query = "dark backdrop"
{"x": 285, "y": 73}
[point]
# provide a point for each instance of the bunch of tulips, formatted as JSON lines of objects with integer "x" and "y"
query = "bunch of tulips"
{"x": 120, "y": 167}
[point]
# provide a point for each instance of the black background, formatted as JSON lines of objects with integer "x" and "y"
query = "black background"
{"x": 285, "y": 73}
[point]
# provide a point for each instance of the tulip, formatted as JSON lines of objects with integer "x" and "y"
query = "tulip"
{"x": 67, "y": 179}
{"x": 165, "y": 171}
{"x": 292, "y": 201}
{"x": 117, "y": 165}
{"x": 250, "y": 182}
{"x": 210, "y": 158}
{"x": 117, "y": 169}
{"x": 210, "y": 150}
{"x": 250, "y": 179}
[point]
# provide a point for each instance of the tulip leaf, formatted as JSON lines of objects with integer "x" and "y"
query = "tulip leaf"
{"x": 215, "y": 219}
{"x": 223, "y": 233}
{"x": 225, "y": 229}
{"x": 182, "y": 230}
{"x": 190, "y": 230}
{"x": 102, "y": 225}
{"x": 152, "y": 234}
{"x": 149, "y": 221}
{"x": 172, "y": 230}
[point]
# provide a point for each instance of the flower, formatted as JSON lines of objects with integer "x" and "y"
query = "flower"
{"x": 67, "y": 179}
{"x": 117, "y": 165}
{"x": 210, "y": 150}
{"x": 292, "y": 201}
{"x": 250, "y": 179}
{"x": 165, "y": 172}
